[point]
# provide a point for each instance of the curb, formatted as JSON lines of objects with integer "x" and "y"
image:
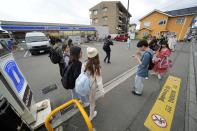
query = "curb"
{"x": 191, "y": 103}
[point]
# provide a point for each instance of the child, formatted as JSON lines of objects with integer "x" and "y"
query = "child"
{"x": 144, "y": 62}
{"x": 161, "y": 59}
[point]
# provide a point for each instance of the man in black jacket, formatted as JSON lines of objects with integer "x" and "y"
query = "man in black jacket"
{"x": 107, "y": 49}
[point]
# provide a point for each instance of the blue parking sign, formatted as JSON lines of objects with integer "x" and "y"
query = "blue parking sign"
{"x": 15, "y": 75}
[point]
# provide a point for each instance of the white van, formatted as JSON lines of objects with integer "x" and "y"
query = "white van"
{"x": 37, "y": 42}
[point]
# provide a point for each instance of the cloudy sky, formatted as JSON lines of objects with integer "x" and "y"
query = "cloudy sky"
{"x": 77, "y": 11}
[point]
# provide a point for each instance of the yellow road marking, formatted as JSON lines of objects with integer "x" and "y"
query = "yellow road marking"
{"x": 161, "y": 116}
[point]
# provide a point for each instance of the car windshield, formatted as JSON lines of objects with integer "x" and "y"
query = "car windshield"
{"x": 36, "y": 39}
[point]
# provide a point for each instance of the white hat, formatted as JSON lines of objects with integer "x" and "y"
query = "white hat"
{"x": 92, "y": 52}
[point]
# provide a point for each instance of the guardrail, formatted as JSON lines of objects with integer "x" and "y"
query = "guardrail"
{"x": 81, "y": 109}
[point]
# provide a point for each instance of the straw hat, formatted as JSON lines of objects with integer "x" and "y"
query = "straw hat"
{"x": 92, "y": 52}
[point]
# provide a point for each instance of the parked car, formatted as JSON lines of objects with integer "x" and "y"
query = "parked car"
{"x": 121, "y": 38}
{"x": 37, "y": 42}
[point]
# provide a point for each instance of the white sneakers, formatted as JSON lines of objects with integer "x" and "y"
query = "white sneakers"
{"x": 159, "y": 76}
{"x": 92, "y": 117}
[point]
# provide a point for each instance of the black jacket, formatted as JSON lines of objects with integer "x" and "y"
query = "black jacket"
{"x": 73, "y": 74}
{"x": 106, "y": 46}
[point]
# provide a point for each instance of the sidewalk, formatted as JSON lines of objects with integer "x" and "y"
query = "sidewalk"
{"x": 120, "y": 110}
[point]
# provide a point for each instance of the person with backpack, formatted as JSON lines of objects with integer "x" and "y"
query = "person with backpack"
{"x": 145, "y": 63}
{"x": 73, "y": 70}
{"x": 56, "y": 56}
{"x": 161, "y": 59}
{"x": 107, "y": 49}
{"x": 93, "y": 70}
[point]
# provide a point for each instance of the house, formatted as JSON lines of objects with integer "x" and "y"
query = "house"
{"x": 175, "y": 22}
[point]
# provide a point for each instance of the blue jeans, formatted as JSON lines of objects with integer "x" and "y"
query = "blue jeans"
{"x": 139, "y": 84}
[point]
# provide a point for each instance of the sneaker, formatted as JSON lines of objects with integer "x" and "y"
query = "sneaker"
{"x": 159, "y": 76}
{"x": 95, "y": 114}
{"x": 86, "y": 104}
{"x": 146, "y": 78}
{"x": 136, "y": 93}
{"x": 109, "y": 62}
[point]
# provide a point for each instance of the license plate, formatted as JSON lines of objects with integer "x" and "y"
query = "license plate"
{"x": 41, "y": 51}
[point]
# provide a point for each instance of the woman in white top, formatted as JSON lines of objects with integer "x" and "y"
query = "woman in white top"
{"x": 93, "y": 68}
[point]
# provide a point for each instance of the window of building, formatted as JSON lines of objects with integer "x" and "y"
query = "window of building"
{"x": 105, "y": 18}
{"x": 145, "y": 33}
{"x": 95, "y": 20}
{"x": 95, "y": 12}
{"x": 146, "y": 24}
{"x": 162, "y": 22}
{"x": 180, "y": 20}
{"x": 105, "y": 9}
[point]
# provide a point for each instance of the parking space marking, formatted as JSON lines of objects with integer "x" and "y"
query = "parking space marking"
{"x": 162, "y": 113}
{"x": 25, "y": 53}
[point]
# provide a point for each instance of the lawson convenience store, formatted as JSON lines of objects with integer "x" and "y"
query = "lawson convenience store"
{"x": 19, "y": 29}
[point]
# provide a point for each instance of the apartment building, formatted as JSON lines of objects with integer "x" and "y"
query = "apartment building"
{"x": 112, "y": 14}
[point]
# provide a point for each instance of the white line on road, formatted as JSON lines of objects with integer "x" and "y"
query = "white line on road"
{"x": 107, "y": 86}
{"x": 195, "y": 53}
{"x": 25, "y": 53}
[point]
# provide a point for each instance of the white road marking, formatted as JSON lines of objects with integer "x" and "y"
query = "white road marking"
{"x": 195, "y": 53}
{"x": 107, "y": 86}
{"x": 25, "y": 53}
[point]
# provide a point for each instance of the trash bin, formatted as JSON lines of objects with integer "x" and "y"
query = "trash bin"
{"x": 9, "y": 121}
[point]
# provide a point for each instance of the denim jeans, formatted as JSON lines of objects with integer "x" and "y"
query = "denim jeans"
{"x": 139, "y": 84}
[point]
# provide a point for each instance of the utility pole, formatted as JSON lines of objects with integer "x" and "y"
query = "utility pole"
{"x": 127, "y": 23}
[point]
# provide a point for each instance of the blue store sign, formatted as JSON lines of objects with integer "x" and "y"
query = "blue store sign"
{"x": 16, "y": 77}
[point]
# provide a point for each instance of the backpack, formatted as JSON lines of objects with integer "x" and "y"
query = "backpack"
{"x": 54, "y": 56}
{"x": 82, "y": 84}
{"x": 151, "y": 64}
{"x": 105, "y": 46}
{"x": 68, "y": 78}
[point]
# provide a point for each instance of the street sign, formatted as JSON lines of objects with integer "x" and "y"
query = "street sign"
{"x": 14, "y": 74}
{"x": 161, "y": 116}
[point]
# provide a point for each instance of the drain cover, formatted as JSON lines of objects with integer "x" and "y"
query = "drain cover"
{"x": 49, "y": 88}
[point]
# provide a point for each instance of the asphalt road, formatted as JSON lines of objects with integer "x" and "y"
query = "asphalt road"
{"x": 40, "y": 72}
{"x": 120, "y": 110}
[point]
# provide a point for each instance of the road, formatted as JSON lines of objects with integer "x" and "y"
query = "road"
{"x": 40, "y": 72}
{"x": 119, "y": 110}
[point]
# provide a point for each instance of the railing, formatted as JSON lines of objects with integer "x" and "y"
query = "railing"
{"x": 81, "y": 109}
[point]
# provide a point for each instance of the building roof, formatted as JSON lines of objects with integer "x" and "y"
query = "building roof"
{"x": 16, "y": 25}
{"x": 116, "y": 2}
{"x": 153, "y": 12}
{"x": 173, "y": 13}
{"x": 182, "y": 12}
